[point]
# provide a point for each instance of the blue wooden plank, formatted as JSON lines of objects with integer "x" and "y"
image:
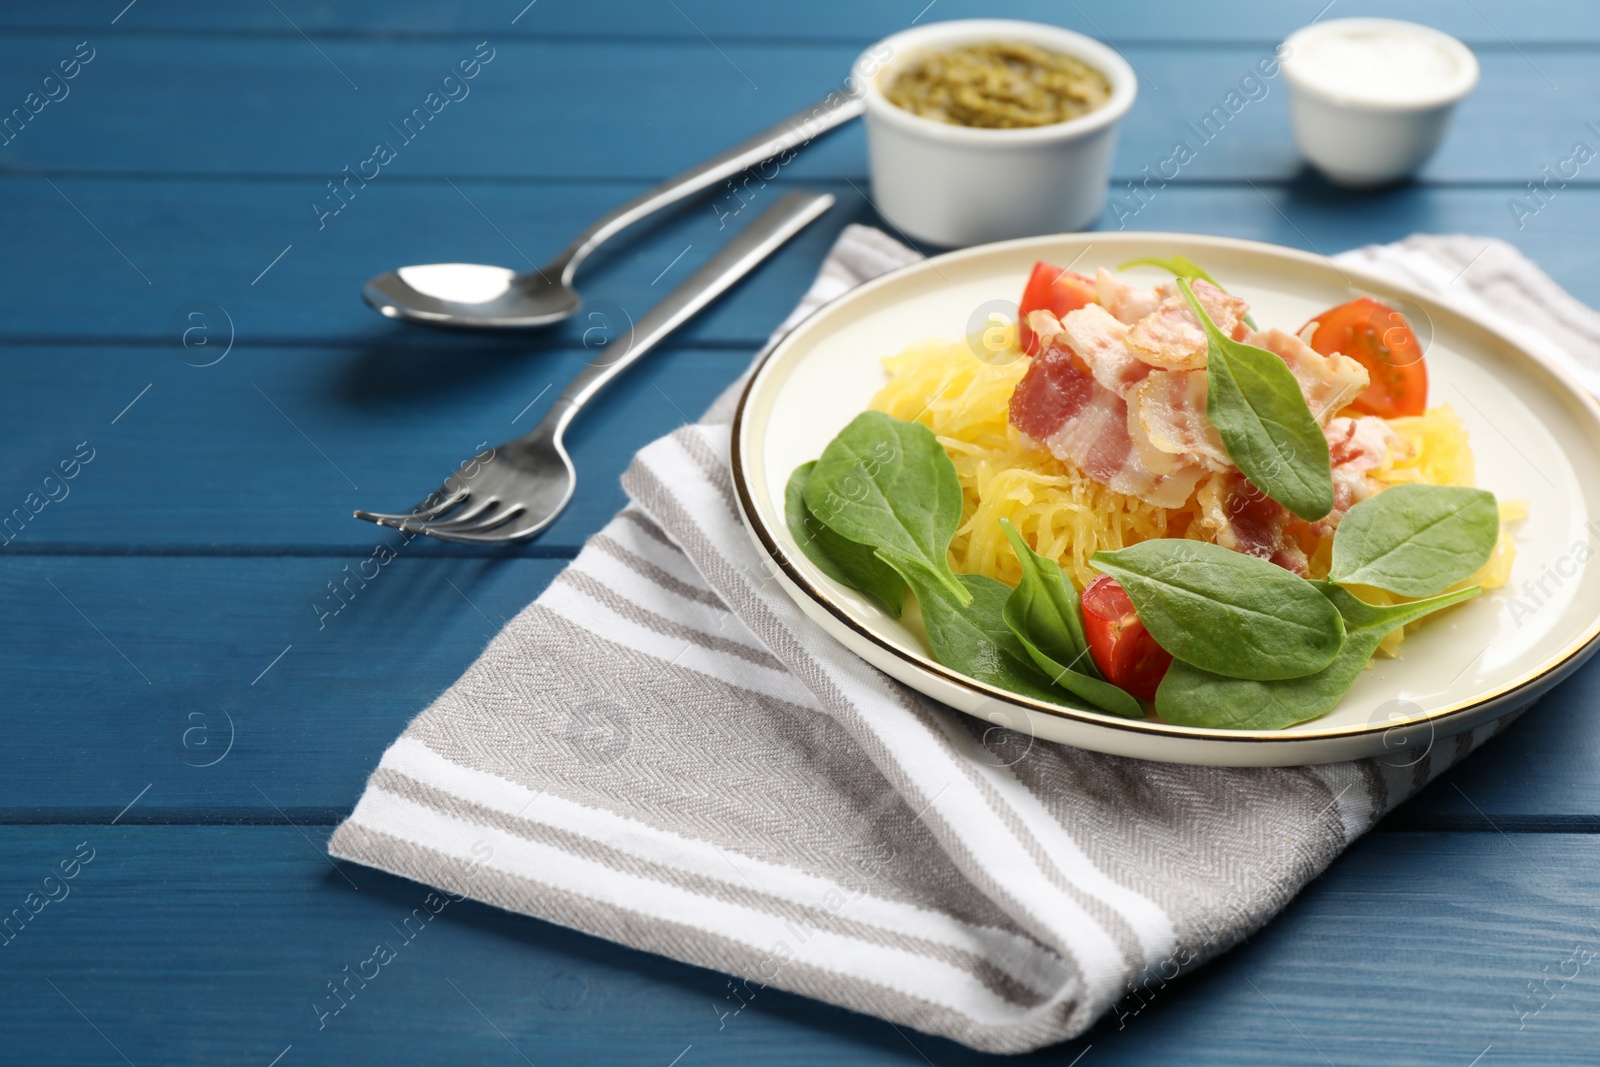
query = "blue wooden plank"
{"x": 206, "y": 240}
{"x": 211, "y": 945}
{"x": 1538, "y": 775}
{"x": 276, "y": 447}
{"x": 279, "y": 107}
{"x": 136, "y": 668}
{"x": 1413, "y": 948}
{"x": 233, "y": 685}
{"x": 146, "y": 249}
{"x": 1483, "y": 23}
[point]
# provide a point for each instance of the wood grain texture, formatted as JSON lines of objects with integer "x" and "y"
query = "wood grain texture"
{"x": 212, "y": 944}
{"x": 202, "y": 240}
{"x": 1483, "y": 23}
{"x": 183, "y": 240}
{"x": 274, "y": 448}
{"x": 293, "y": 114}
{"x": 139, "y": 672}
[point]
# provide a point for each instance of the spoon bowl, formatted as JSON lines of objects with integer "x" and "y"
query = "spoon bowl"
{"x": 471, "y": 295}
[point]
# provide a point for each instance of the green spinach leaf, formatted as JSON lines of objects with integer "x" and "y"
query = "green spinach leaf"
{"x": 1254, "y": 401}
{"x": 846, "y": 562}
{"x": 1189, "y": 696}
{"x": 1046, "y": 606}
{"x": 1101, "y": 694}
{"x": 1181, "y": 267}
{"x": 975, "y": 640}
{"x": 1415, "y": 540}
{"x": 1043, "y": 612}
{"x": 889, "y": 484}
{"x": 1229, "y": 613}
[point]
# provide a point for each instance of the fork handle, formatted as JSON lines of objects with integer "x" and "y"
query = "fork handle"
{"x": 792, "y": 213}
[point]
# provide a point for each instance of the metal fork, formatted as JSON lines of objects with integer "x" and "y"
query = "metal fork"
{"x": 516, "y": 489}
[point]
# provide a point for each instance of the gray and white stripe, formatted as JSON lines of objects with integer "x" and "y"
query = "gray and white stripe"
{"x": 663, "y": 750}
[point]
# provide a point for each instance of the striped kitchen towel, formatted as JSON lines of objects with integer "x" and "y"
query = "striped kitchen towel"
{"x": 664, "y": 751}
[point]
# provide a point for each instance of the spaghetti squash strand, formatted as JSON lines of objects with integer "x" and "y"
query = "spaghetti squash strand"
{"x": 1067, "y": 516}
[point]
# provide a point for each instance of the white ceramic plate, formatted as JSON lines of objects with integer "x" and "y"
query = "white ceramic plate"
{"x": 1535, "y": 435}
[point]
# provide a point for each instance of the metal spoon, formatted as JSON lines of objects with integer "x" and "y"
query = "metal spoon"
{"x": 474, "y": 296}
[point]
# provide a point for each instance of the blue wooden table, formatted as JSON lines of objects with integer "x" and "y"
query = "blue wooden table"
{"x": 188, "y": 709}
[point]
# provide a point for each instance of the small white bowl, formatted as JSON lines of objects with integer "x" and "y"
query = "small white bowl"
{"x": 960, "y": 185}
{"x": 1363, "y": 111}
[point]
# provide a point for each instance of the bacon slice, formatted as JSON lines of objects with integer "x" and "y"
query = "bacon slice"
{"x": 1054, "y": 390}
{"x": 1356, "y": 447}
{"x": 1328, "y": 382}
{"x": 1168, "y": 410}
{"x": 1246, "y": 520}
{"x": 1127, "y": 302}
{"x": 1171, "y": 337}
{"x": 1119, "y": 390}
{"x": 1060, "y": 405}
{"x": 1153, "y": 459}
{"x": 1096, "y": 338}
{"x": 1363, "y": 443}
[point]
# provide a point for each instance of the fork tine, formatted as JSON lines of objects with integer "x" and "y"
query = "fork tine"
{"x": 382, "y": 518}
{"x": 423, "y": 512}
{"x": 499, "y": 536}
{"x": 474, "y": 513}
{"x": 482, "y": 525}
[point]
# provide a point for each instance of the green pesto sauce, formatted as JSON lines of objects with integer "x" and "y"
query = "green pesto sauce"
{"x": 1000, "y": 85}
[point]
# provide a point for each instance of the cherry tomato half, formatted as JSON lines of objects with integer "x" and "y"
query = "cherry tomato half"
{"x": 1379, "y": 338}
{"x": 1051, "y": 289}
{"x": 1122, "y": 648}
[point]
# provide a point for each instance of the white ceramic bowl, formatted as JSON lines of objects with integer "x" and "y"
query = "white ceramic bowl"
{"x": 957, "y": 185}
{"x": 1363, "y": 131}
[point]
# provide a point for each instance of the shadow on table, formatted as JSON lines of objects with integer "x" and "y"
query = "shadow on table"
{"x": 415, "y": 370}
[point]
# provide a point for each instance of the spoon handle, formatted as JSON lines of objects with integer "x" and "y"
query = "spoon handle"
{"x": 798, "y": 129}
{"x": 792, "y": 213}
